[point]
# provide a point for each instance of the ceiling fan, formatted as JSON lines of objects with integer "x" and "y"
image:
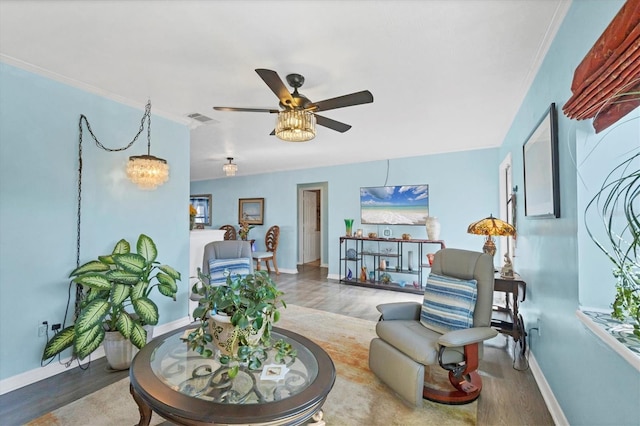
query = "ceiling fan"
{"x": 298, "y": 116}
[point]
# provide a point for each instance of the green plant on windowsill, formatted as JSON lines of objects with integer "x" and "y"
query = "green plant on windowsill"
{"x": 617, "y": 204}
{"x": 615, "y": 200}
{"x": 114, "y": 285}
{"x": 250, "y": 304}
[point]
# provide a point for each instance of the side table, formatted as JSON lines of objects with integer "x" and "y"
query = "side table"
{"x": 507, "y": 319}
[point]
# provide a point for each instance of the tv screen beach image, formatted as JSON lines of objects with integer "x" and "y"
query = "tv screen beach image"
{"x": 394, "y": 205}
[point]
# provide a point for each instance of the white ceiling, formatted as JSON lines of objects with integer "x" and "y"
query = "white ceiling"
{"x": 445, "y": 75}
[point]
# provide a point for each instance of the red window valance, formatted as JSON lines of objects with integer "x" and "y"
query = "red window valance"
{"x": 605, "y": 81}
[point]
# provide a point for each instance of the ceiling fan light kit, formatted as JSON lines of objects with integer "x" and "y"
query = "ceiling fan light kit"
{"x": 298, "y": 116}
{"x": 296, "y": 126}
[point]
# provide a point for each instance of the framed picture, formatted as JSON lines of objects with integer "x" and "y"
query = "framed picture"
{"x": 251, "y": 210}
{"x": 202, "y": 204}
{"x": 541, "y": 168}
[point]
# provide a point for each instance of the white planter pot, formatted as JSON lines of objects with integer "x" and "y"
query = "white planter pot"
{"x": 118, "y": 350}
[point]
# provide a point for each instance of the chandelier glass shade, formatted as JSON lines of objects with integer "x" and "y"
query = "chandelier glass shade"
{"x": 296, "y": 126}
{"x": 147, "y": 171}
{"x": 491, "y": 227}
{"x": 230, "y": 168}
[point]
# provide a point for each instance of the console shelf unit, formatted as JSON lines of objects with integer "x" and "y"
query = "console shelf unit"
{"x": 357, "y": 252}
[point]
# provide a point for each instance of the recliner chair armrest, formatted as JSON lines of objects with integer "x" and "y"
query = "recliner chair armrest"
{"x": 399, "y": 311}
{"x": 467, "y": 336}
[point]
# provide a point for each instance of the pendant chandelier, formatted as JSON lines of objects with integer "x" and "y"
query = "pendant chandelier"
{"x": 296, "y": 126}
{"x": 147, "y": 171}
{"x": 230, "y": 168}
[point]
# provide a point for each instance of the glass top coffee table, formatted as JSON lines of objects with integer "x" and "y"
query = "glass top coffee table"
{"x": 187, "y": 389}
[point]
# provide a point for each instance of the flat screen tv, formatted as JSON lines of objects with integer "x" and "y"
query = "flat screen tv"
{"x": 394, "y": 205}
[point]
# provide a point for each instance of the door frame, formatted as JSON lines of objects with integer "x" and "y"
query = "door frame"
{"x": 311, "y": 187}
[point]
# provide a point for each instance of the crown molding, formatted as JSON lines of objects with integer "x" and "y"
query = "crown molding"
{"x": 9, "y": 60}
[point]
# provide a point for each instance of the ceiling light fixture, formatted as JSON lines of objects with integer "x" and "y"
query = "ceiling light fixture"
{"x": 230, "y": 168}
{"x": 296, "y": 126}
{"x": 147, "y": 171}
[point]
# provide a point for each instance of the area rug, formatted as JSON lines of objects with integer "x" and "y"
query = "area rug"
{"x": 357, "y": 398}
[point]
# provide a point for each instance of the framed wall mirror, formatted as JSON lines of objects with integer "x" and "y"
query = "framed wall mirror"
{"x": 202, "y": 204}
{"x": 541, "y": 169}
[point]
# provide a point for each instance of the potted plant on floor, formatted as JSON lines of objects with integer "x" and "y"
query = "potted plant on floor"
{"x": 237, "y": 317}
{"x": 116, "y": 302}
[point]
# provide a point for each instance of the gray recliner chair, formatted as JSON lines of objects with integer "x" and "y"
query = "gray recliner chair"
{"x": 412, "y": 336}
{"x": 228, "y": 249}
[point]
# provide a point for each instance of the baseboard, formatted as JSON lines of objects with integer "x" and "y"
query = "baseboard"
{"x": 56, "y": 367}
{"x": 286, "y": 271}
{"x": 547, "y": 394}
{"x": 333, "y": 277}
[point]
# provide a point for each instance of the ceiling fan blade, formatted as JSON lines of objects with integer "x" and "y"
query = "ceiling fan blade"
{"x": 272, "y": 111}
{"x": 332, "y": 124}
{"x": 276, "y": 85}
{"x": 357, "y": 98}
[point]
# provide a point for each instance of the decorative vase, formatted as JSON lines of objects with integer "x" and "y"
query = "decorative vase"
{"x": 433, "y": 228}
{"x": 348, "y": 223}
{"x": 192, "y": 222}
{"x": 410, "y": 260}
{"x": 363, "y": 274}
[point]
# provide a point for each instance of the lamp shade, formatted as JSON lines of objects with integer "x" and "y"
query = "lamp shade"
{"x": 296, "y": 126}
{"x": 147, "y": 171}
{"x": 491, "y": 226}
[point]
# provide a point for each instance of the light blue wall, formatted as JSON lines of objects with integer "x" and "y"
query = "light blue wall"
{"x": 462, "y": 189}
{"x": 593, "y": 385}
{"x": 38, "y": 196}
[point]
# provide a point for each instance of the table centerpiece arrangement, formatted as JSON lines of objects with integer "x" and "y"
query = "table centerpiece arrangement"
{"x": 236, "y": 319}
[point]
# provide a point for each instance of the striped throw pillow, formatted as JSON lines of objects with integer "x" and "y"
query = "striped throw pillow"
{"x": 220, "y": 268}
{"x": 448, "y": 303}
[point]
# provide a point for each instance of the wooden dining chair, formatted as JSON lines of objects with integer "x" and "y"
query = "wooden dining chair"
{"x": 271, "y": 245}
{"x": 229, "y": 232}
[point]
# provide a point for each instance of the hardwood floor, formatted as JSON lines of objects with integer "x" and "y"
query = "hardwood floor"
{"x": 510, "y": 397}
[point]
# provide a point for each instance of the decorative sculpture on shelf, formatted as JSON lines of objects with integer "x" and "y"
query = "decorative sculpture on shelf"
{"x": 363, "y": 273}
{"x": 507, "y": 269}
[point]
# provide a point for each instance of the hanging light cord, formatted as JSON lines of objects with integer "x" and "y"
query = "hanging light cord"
{"x": 83, "y": 119}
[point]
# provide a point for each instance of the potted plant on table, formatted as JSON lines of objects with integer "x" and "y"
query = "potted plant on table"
{"x": 237, "y": 317}
{"x": 113, "y": 285}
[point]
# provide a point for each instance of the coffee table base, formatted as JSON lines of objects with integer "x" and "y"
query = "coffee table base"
{"x": 314, "y": 413}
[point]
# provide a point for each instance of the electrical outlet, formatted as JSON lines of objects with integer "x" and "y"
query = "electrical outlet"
{"x": 42, "y": 329}
{"x": 539, "y": 325}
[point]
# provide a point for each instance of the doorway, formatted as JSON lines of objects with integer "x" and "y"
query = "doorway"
{"x": 311, "y": 229}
